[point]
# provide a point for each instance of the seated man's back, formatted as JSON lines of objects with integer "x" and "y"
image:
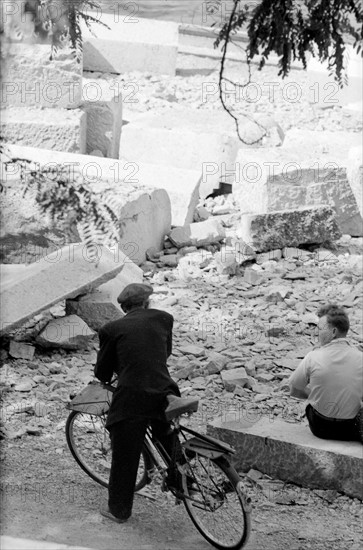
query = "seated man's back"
{"x": 331, "y": 379}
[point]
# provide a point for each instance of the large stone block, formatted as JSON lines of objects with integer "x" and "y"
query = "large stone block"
{"x": 31, "y": 78}
{"x": 298, "y": 176}
{"x": 290, "y": 452}
{"x": 100, "y": 306}
{"x": 290, "y": 228}
{"x": 185, "y": 138}
{"x": 144, "y": 211}
{"x": 28, "y": 290}
{"x": 58, "y": 129}
{"x": 69, "y": 332}
{"x": 131, "y": 44}
{"x": 102, "y": 102}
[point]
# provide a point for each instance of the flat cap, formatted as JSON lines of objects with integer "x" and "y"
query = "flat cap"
{"x": 135, "y": 293}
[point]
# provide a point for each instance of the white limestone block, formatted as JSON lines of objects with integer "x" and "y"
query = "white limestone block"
{"x": 31, "y": 78}
{"x": 189, "y": 139}
{"x": 58, "y": 129}
{"x": 144, "y": 210}
{"x": 131, "y": 44}
{"x": 102, "y": 102}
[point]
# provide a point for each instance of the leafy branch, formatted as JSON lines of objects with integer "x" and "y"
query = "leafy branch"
{"x": 292, "y": 29}
{"x": 70, "y": 200}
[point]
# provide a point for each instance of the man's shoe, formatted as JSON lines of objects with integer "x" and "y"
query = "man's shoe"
{"x": 105, "y": 512}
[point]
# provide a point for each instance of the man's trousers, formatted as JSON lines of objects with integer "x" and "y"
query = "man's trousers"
{"x": 332, "y": 428}
{"x": 127, "y": 437}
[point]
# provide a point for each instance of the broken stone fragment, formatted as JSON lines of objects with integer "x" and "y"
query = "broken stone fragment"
{"x": 197, "y": 234}
{"x": 226, "y": 264}
{"x": 18, "y": 350}
{"x": 67, "y": 332}
{"x": 216, "y": 362}
{"x": 234, "y": 377}
{"x": 252, "y": 277}
{"x": 192, "y": 349}
{"x": 25, "y": 386}
{"x": 271, "y": 255}
{"x": 293, "y": 253}
{"x": 169, "y": 260}
{"x": 277, "y": 294}
{"x": 289, "y": 228}
{"x": 201, "y": 214}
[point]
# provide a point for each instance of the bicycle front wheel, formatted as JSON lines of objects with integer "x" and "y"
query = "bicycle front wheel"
{"x": 215, "y": 502}
{"x": 89, "y": 442}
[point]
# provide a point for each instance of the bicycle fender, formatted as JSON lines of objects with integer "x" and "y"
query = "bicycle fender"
{"x": 203, "y": 448}
{"x": 246, "y": 500}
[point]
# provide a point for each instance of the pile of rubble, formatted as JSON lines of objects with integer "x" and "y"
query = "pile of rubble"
{"x": 243, "y": 321}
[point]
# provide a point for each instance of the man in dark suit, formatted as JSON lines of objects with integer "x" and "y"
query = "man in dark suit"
{"x": 135, "y": 348}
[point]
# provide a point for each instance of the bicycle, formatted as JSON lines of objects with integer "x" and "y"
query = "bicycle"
{"x": 201, "y": 476}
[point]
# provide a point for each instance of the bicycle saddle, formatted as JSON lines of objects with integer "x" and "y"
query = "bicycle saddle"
{"x": 179, "y": 405}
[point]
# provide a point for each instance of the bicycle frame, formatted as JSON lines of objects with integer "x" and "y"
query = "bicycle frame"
{"x": 202, "y": 444}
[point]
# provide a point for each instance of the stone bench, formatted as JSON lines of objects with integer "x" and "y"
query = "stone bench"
{"x": 290, "y": 452}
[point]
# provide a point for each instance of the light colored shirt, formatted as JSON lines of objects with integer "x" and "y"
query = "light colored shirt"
{"x": 332, "y": 376}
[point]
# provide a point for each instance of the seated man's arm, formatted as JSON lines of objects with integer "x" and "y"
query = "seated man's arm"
{"x": 106, "y": 357}
{"x": 299, "y": 394}
{"x": 299, "y": 380}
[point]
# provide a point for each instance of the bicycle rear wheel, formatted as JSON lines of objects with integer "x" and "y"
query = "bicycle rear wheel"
{"x": 90, "y": 445}
{"x": 215, "y": 502}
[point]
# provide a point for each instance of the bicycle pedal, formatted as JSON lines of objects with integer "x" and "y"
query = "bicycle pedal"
{"x": 177, "y": 501}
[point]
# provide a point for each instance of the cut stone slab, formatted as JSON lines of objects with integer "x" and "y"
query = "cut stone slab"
{"x": 102, "y": 103}
{"x": 58, "y": 129}
{"x": 28, "y": 290}
{"x": 100, "y": 306}
{"x": 31, "y": 78}
{"x": 131, "y": 44}
{"x": 278, "y": 179}
{"x": 290, "y": 228}
{"x": 234, "y": 377}
{"x": 185, "y": 138}
{"x": 290, "y": 452}
{"x": 144, "y": 207}
{"x": 197, "y": 234}
{"x": 69, "y": 332}
{"x": 19, "y": 350}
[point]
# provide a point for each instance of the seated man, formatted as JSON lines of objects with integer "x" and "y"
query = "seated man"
{"x": 331, "y": 379}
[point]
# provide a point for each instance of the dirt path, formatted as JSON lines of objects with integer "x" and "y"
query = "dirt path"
{"x": 45, "y": 496}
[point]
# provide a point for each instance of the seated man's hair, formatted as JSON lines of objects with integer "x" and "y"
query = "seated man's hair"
{"x": 336, "y": 317}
